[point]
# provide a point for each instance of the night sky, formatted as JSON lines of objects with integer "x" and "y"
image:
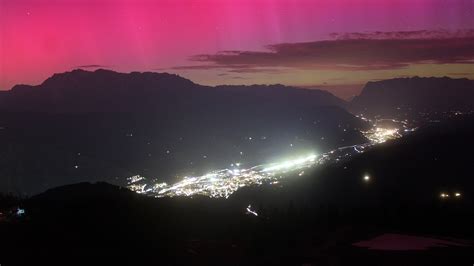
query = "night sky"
{"x": 333, "y": 44}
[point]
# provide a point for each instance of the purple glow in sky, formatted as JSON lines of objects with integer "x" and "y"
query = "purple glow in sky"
{"x": 188, "y": 37}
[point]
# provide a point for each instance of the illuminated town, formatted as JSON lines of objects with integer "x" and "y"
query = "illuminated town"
{"x": 222, "y": 183}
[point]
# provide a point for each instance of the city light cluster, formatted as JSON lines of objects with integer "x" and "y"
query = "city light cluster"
{"x": 381, "y": 135}
{"x": 222, "y": 183}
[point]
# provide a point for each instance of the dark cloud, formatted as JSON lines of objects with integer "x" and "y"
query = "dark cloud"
{"x": 461, "y": 73}
{"x": 419, "y": 34}
{"x": 234, "y": 68}
{"x": 196, "y": 67}
{"x": 91, "y": 66}
{"x": 350, "y": 51}
{"x": 250, "y": 69}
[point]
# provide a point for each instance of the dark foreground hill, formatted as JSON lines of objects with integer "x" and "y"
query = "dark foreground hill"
{"x": 414, "y": 95}
{"x": 309, "y": 220}
{"x": 103, "y": 125}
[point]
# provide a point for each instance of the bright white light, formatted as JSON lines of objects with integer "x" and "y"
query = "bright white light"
{"x": 380, "y": 135}
{"x": 249, "y": 210}
{"x": 291, "y": 164}
{"x": 223, "y": 183}
{"x": 160, "y": 185}
{"x": 366, "y": 178}
{"x": 20, "y": 212}
{"x": 457, "y": 194}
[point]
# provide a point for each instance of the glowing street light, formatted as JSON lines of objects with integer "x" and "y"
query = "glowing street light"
{"x": 249, "y": 210}
{"x": 366, "y": 178}
{"x": 457, "y": 194}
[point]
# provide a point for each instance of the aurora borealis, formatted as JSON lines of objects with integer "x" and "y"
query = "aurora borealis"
{"x": 336, "y": 45}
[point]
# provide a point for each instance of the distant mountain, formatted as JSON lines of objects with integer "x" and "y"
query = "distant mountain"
{"x": 105, "y": 126}
{"x": 109, "y": 91}
{"x": 415, "y": 95}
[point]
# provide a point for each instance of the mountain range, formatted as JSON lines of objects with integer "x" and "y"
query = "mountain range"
{"x": 388, "y": 97}
{"x": 108, "y": 91}
{"x": 81, "y": 91}
{"x": 104, "y": 125}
